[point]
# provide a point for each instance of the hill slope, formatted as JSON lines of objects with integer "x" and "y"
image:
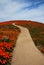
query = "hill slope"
{"x": 25, "y": 52}
{"x": 36, "y": 31}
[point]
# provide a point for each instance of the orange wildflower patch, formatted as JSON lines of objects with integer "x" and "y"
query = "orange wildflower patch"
{"x": 7, "y": 42}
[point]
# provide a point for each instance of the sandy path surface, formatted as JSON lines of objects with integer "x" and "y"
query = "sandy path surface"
{"x": 25, "y": 52}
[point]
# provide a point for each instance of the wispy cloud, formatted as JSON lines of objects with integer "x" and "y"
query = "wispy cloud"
{"x": 25, "y": 9}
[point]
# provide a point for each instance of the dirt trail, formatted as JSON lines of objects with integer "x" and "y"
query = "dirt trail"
{"x": 25, "y": 52}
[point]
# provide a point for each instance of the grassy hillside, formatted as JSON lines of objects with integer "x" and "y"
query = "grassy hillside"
{"x": 36, "y": 30}
{"x": 37, "y": 33}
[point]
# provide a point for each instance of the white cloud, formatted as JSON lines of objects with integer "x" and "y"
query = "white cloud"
{"x": 11, "y": 8}
{"x": 13, "y": 11}
{"x": 33, "y": 14}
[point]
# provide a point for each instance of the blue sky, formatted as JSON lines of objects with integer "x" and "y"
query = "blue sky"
{"x": 22, "y": 10}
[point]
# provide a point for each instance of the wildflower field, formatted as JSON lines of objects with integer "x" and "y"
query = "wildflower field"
{"x": 10, "y": 33}
{"x": 8, "y": 37}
